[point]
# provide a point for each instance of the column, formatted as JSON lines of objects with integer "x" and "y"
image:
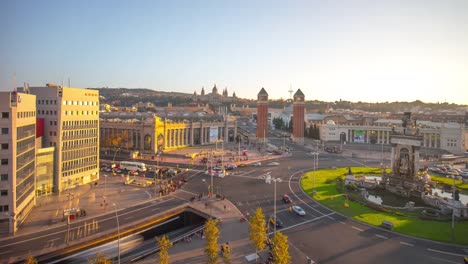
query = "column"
{"x": 392, "y": 156}
{"x": 191, "y": 134}
{"x": 416, "y": 161}
{"x": 379, "y": 137}
{"x": 181, "y": 142}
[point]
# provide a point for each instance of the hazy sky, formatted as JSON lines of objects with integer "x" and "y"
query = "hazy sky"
{"x": 351, "y": 50}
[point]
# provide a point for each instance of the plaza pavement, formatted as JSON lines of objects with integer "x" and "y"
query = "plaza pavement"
{"x": 98, "y": 199}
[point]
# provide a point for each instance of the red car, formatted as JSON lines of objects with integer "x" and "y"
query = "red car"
{"x": 286, "y": 198}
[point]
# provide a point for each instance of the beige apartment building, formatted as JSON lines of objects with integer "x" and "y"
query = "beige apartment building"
{"x": 18, "y": 151}
{"x": 71, "y": 125}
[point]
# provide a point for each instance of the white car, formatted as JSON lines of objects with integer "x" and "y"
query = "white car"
{"x": 298, "y": 210}
{"x": 273, "y": 164}
{"x": 256, "y": 164}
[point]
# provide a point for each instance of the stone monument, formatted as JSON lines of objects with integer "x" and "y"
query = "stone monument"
{"x": 404, "y": 179}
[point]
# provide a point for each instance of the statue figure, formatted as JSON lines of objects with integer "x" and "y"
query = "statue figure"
{"x": 404, "y": 162}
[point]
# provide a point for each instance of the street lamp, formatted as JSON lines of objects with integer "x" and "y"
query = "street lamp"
{"x": 113, "y": 159}
{"x": 268, "y": 180}
{"x": 209, "y": 190}
{"x": 315, "y": 160}
{"x": 118, "y": 234}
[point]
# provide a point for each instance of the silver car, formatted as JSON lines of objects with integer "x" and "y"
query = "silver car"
{"x": 298, "y": 210}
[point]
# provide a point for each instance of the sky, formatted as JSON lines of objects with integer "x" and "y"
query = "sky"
{"x": 369, "y": 51}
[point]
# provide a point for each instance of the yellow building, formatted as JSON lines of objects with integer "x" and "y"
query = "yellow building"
{"x": 148, "y": 133}
{"x": 71, "y": 122}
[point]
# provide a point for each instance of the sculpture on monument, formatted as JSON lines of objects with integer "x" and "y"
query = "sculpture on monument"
{"x": 404, "y": 179}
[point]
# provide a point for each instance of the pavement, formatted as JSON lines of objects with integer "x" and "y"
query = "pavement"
{"x": 99, "y": 199}
{"x": 231, "y": 229}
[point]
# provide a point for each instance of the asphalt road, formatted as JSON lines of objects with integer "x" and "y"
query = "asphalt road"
{"x": 50, "y": 239}
{"x": 322, "y": 234}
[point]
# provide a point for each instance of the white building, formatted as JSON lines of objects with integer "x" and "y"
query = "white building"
{"x": 18, "y": 158}
{"x": 446, "y": 136}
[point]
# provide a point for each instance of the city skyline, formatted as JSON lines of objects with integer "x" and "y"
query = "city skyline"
{"x": 354, "y": 51}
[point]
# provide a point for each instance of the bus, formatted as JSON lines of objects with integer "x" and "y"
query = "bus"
{"x": 132, "y": 166}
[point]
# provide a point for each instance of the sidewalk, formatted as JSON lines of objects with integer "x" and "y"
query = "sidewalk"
{"x": 95, "y": 199}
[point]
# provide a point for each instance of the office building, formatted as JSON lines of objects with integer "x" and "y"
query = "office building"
{"x": 71, "y": 125}
{"x": 17, "y": 155}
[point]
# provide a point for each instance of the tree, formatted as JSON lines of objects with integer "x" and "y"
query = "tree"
{"x": 164, "y": 244}
{"x": 227, "y": 255}
{"x": 212, "y": 235}
{"x": 280, "y": 249}
{"x": 31, "y": 260}
{"x": 99, "y": 258}
{"x": 257, "y": 230}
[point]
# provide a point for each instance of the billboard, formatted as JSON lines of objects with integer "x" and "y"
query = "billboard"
{"x": 213, "y": 134}
{"x": 359, "y": 136}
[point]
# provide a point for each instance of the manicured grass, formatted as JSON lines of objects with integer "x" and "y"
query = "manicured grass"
{"x": 449, "y": 181}
{"x": 327, "y": 194}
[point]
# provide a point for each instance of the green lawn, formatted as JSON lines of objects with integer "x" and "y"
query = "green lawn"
{"x": 327, "y": 194}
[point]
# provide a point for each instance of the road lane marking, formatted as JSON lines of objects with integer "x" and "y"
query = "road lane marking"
{"x": 359, "y": 229}
{"x": 341, "y": 222}
{"x": 443, "y": 252}
{"x": 149, "y": 194}
{"x": 129, "y": 217}
{"x": 381, "y": 236}
{"x": 407, "y": 244}
{"x": 306, "y": 204}
{"x": 5, "y": 252}
{"x": 305, "y": 222}
{"x": 444, "y": 260}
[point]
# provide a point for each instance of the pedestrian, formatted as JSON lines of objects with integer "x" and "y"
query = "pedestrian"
{"x": 224, "y": 207}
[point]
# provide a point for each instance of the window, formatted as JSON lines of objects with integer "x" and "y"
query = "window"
{"x": 4, "y": 145}
{"x": 5, "y": 115}
{"x": 4, "y": 177}
{"x": 4, "y": 130}
{"x": 3, "y": 192}
{"x": 4, "y": 162}
{"x": 3, "y": 208}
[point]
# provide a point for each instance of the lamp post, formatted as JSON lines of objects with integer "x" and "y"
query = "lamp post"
{"x": 453, "y": 209}
{"x": 118, "y": 234}
{"x": 209, "y": 191}
{"x": 268, "y": 180}
{"x": 113, "y": 159}
{"x": 315, "y": 160}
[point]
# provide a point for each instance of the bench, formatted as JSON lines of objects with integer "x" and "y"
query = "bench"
{"x": 387, "y": 225}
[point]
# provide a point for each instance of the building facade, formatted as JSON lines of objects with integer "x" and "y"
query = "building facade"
{"x": 262, "y": 115}
{"x": 18, "y": 151}
{"x": 298, "y": 117}
{"x": 445, "y": 136}
{"x": 149, "y": 133}
{"x": 71, "y": 124}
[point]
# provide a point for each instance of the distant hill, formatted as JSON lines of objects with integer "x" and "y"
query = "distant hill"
{"x": 130, "y": 96}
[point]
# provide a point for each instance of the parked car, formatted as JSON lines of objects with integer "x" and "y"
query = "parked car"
{"x": 242, "y": 165}
{"x": 279, "y": 223}
{"x": 298, "y": 210}
{"x": 286, "y": 198}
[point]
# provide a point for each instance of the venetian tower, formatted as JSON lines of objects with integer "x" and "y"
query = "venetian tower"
{"x": 298, "y": 117}
{"x": 262, "y": 115}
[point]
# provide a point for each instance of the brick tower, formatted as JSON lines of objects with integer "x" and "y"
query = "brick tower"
{"x": 298, "y": 117}
{"x": 262, "y": 115}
